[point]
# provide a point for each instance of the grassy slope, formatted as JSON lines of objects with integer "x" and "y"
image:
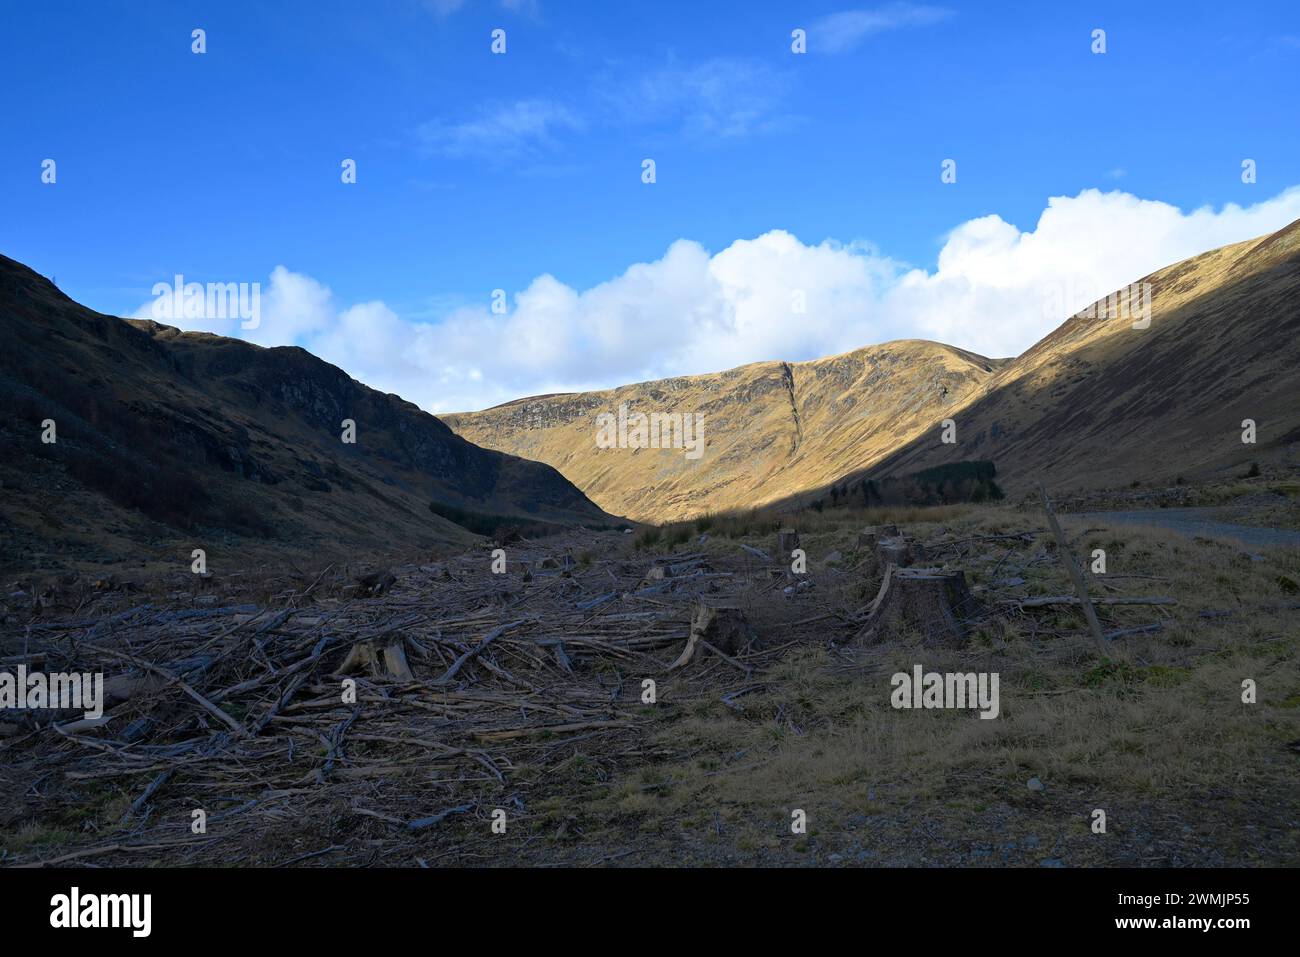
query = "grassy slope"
{"x": 1099, "y": 403}
{"x": 772, "y": 428}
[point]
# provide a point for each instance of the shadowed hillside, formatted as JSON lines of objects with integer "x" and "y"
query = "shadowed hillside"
{"x": 163, "y": 435}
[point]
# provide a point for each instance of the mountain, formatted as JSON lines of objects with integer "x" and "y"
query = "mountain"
{"x": 1097, "y": 403}
{"x": 165, "y": 436}
{"x": 770, "y": 429}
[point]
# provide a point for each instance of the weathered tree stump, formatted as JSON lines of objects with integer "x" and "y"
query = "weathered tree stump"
{"x": 722, "y": 628}
{"x": 371, "y": 585}
{"x": 899, "y": 550}
{"x": 386, "y": 660}
{"x": 656, "y": 573}
{"x": 929, "y": 601}
{"x": 869, "y": 536}
{"x": 787, "y": 540}
{"x": 867, "y": 552}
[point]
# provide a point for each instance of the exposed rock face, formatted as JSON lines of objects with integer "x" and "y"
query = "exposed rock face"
{"x": 770, "y": 430}
{"x": 202, "y": 433}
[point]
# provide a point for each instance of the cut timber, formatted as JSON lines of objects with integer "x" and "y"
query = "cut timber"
{"x": 382, "y": 661}
{"x": 721, "y": 628}
{"x": 474, "y": 652}
{"x": 926, "y": 600}
{"x": 116, "y": 690}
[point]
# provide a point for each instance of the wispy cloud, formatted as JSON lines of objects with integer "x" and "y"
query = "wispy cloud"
{"x": 529, "y": 8}
{"x": 521, "y": 129}
{"x": 720, "y": 97}
{"x": 842, "y": 32}
{"x": 445, "y": 8}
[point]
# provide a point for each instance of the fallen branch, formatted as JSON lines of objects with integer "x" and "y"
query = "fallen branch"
{"x": 1039, "y": 602}
{"x": 1067, "y": 559}
{"x": 474, "y": 652}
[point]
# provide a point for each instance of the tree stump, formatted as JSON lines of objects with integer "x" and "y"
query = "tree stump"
{"x": 371, "y": 585}
{"x": 869, "y": 536}
{"x": 899, "y": 550}
{"x": 724, "y": 628}
{"x": 382, "y": 661}
{"x": 787, "y": 540}
{"x": 926, "y": 600}
{"x": 656, "y": 573}
{"x": 866, "y": 551}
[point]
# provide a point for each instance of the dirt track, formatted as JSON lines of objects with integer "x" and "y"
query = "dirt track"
{"x": 1198, "y": 521}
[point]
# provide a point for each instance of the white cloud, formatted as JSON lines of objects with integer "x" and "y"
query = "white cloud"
{"x": 842, "y": 32}
{"x": 291, "y": 307}
{"x": 521, "y": 128}
{"x": 995, "y": 290}
{"x": 998, "y": 290}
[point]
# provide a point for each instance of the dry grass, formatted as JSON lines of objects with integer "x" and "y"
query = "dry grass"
{"x": 1159, "y": 724}
{"x": 1154, "y": 732}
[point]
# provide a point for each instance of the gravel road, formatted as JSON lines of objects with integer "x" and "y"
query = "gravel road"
{"x": 1197, "y": 521}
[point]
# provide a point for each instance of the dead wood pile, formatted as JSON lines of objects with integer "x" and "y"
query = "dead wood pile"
{"x": 402, "y": 694}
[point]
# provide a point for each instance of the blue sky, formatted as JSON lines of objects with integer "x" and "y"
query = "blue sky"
{"x": 479, "y": 171}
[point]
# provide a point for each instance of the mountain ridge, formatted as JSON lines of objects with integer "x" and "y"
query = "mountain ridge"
{"x": 797, "y": 417}
{"x": 168, "y": 434}
{"x": 1098, "y": 402}
{"x": 1003, "y": 410}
